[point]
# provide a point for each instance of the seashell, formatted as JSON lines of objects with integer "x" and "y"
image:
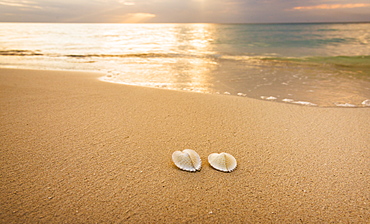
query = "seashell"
{"x": 187, "y": 160}
{"x": 222, "y": 161}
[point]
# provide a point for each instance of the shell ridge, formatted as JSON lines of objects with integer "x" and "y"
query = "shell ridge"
{"x": 226, "y": 163}
{"x": 192, "y": 163}
{"x": 194, "y": 157}
{"x": 195, "y": 162}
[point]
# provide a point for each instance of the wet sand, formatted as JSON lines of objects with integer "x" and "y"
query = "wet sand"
{"x": 78, "y": 150}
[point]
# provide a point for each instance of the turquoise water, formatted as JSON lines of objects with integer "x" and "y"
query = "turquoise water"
{"x": 309, "y": 64}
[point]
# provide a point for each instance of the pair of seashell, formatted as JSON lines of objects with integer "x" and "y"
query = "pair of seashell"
{"x": 189, "y": 160}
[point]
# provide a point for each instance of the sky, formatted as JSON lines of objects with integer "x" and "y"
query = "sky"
{"x": 184, "y": 11}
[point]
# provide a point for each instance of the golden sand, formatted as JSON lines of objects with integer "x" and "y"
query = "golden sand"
{"x": 78, "y": 150}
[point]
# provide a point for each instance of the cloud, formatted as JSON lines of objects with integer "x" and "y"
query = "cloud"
{"x": 182, "y": 11}
{"x": 332, "y": 6}
{"x": 22, "y": 4}
{"x": 125, "y": 2}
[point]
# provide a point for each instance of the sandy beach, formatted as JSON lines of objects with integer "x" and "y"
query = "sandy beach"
{"x": 78, "y": 150}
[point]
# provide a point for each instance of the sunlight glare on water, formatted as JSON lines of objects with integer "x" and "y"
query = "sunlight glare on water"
{"x": 181, "y": 65}
{"x": 310, "y": 64}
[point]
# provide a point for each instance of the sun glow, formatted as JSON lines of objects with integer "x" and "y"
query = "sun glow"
{"x": 137, "y": 17}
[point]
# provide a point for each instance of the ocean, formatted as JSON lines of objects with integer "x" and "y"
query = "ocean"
{"x": 324, "y": 65}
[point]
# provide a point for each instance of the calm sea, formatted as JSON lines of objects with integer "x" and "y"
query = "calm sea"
{"x": 309, "y": 64}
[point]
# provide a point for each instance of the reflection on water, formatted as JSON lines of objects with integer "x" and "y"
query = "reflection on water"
{"x": 188, "y": 70}
{"x": 284, "y": 63}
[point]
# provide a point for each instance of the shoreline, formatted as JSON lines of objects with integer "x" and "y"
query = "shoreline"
{"x": 364, "y": 104}
{"x": 76, "y": 149}
{"x": 285, "y": 100}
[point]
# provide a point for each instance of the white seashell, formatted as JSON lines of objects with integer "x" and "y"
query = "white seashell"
{"x": 222, "y": 161}
{"x": 188, "y": 160}
{"x": 366, "y": 103}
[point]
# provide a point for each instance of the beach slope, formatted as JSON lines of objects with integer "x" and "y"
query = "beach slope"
{"x": 77, "y": 150}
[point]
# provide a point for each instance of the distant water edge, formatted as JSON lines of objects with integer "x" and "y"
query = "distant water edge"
{"x": 325, "y": 65}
